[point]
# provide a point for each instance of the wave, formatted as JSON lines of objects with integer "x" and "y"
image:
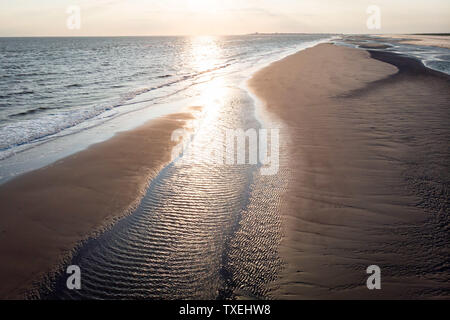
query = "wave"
{"x": 20, "y": 93}
{"x": 75, "y": 85}
{"x": 52, "y": 117}
{"x": 32, "y": 130}
{"x": 28, "y": 112}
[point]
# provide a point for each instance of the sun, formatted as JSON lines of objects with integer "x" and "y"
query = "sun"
{"x": 203, "y": 6}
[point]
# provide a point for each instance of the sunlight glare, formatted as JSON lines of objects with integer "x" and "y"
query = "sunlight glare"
{"x": 205, "y": 53}
{"x": 206, "y": 59}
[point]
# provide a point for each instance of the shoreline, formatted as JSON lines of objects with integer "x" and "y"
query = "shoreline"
{"x": 93, "y": 188}
{"x": 317, "y": 185}
{"x": 419, "y": 40}
{"x": 359, "y": 127}
{"x": 80, "y": 139}
{"x": 18, "y": 285}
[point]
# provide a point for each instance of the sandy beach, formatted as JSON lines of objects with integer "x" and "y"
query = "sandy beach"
{"x": 364, "y": 144}
{"x": 368, "y": 161}
{"x": 47, "y": 212}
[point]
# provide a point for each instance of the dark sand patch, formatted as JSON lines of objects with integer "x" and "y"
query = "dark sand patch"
{"x": 375, "y": 46}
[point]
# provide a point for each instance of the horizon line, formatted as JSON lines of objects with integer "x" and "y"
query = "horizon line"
{"x": 224, "y": 35}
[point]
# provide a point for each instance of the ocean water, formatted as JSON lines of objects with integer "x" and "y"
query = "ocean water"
{"x": 58, "y": 95}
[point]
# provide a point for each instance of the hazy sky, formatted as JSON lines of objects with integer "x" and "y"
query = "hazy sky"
{"x": 205, "y": 17}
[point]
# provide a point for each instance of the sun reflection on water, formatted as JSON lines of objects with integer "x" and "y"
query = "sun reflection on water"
{"x": 206, "y": 57}
{"x": 205, "y": 52}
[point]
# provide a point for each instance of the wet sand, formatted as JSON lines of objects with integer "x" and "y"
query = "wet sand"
{"x": 374, "y": 46}
{"x": 367, "y": 42}
{"x": 46, "y": 213}
{"x": 369, "y": 164}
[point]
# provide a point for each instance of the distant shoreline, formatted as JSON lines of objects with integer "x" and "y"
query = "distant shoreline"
{"x": 230, "y": 35}
{"x": 437, "y": 40}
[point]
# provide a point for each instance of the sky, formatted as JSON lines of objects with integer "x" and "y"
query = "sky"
{"x": 219, "y": 17}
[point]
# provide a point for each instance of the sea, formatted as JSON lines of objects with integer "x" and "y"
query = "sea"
{"x": 60, "y": 95}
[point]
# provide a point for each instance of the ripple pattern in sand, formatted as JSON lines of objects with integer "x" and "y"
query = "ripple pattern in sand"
{"x": 180, "y": 242}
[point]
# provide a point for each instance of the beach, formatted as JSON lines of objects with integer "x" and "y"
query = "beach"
{"x": 363, "y": 180}
{"x": 369, "y": 166}
{"x": 47, "y": 213}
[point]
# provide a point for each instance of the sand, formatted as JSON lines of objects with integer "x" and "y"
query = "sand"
{"x": 46, "y": 213}
{"x": 421, "y": 40}
{"x": 369, "y": 162}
